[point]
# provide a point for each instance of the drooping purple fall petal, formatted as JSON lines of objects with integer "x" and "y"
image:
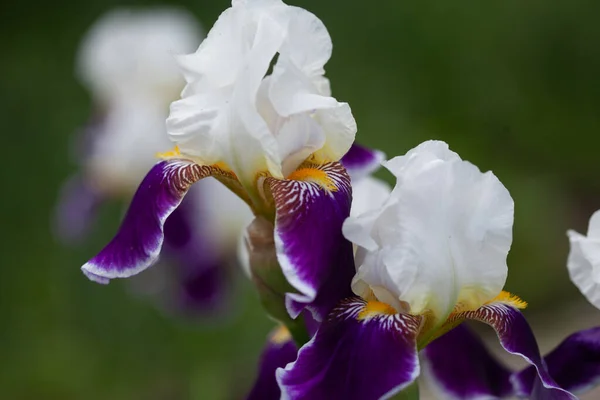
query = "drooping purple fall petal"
{"x": 361, "y": 161}
{"x": 574, "y": 364}
{"x": 516, "y": 337}
{"x": 459, "y": 366}
{"x": 138, "y": 242}
{"x": 311, "y": 206}
{"x": 356, "y": 354}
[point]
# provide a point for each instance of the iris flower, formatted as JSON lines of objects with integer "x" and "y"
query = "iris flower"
{"x": 574, "y": 364}
{"x": 431, "y": 258}
{"x": 126, "y": 61}
{"x": 257, "y": 115}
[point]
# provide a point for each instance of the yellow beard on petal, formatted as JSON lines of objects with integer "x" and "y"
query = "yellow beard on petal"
{"x": 175, "y": 153}
{"x": 509, "y": 299}
{"x": 314, "y": 175}
{"x": 373, "y": 308}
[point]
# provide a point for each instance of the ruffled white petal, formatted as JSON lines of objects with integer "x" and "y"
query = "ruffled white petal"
{"x": 442, "y": 237}
{"x": 299, "y": 137}
{"x": 196, "y": 121}
{"x": 339, "y": 128}
{"x": 308, "y": 44}
{"x": 368, "y": 194}
{"x": 270, "y": 123}
{"x": 584, "y": 260}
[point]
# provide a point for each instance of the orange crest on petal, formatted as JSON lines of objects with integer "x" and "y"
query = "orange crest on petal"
{"x": 509, "y": 299}
{"x": 374, "y": 308}
{"x": 175, "y": 153}
{"x": 314, "y": 175}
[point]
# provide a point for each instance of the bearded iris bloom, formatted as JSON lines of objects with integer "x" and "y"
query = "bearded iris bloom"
{"x": 574, "y": 364}
{"x": 372, "y": 278}
{"x": 273, "y": 139}
{"x": 431, "y": 258}
{"x": 126, "y": 61}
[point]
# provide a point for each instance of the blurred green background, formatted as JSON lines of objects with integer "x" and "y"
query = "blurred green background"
{"x": 512, "y": 86}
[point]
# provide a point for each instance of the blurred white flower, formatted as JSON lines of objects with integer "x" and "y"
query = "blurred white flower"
{"x": 127, "y": 61}
{"x": 441, "y": 238}
{"x": 584, "y": 260}
{"x": 131, "y": 52}
{"x": 234, "y": 111}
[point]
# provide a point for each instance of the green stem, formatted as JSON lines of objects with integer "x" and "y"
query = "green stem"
{"x": 298, "y": 331}
{"x": 410, "y": 393}
{"x": 274, "y": 304}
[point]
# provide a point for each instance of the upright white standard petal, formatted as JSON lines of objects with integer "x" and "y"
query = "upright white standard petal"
{"x": 233, "y": 111}
{"x": 584, "y": 260}
{"x": 441, "y": 238}
{"x": 132, "y": 51}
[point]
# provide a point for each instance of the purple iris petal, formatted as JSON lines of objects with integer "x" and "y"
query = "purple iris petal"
{"x": 279, "y": 351}
{"x": 517, "y": 338}
{"x": 76, "y": 210}
{"x": 574, "y": 364}
{"x": 314, "y": 255}
{"x": 354, "y": 356}
{"x": 361, "y": 161}
{"x": 461, "y": 367}
{"x": 137, "y": 244}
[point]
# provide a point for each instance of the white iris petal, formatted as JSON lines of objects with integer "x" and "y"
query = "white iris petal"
{"x": 440, "y": 239}
{"x": 584, "y": 260}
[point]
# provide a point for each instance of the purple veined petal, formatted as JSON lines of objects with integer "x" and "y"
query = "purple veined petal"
{"x": 311, "y": 206}
{"x": 357, "y": 353}
{"x": 361, "y": 161}
{"x": 76, "y": 210}
{"x": 574, "y": 364}
{"x": 279, "y": 351}
{"x": 516, "y": 337}
{"x": 137, "y": 244}
{"x": 460, "y": 367}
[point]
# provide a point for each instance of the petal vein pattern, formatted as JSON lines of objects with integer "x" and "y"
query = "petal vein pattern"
{"x": 516, "y": 337}
{"x": 310, "y": 246}
{"x": 354, "y": 358}
{"x": 137, "y": 244}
